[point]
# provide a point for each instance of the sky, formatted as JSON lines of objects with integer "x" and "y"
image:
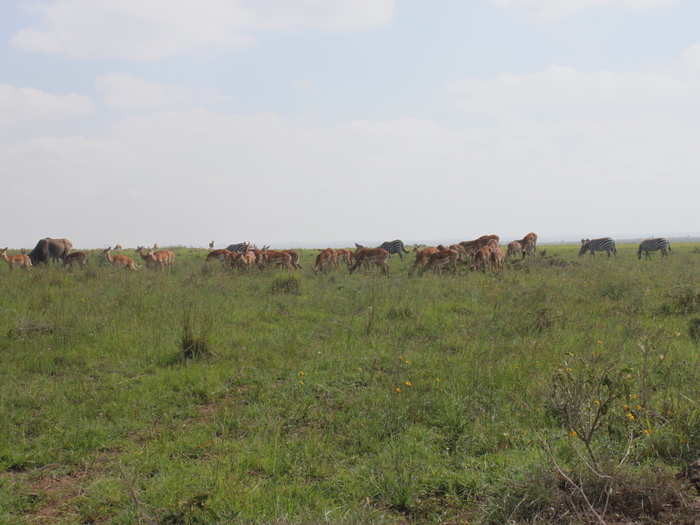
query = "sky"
{"x": 302, "y": 123}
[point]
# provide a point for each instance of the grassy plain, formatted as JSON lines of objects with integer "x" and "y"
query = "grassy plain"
{"x": 351, "y": 399}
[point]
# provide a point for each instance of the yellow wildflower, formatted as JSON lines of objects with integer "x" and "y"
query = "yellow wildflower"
{"x": 408, "y": 383}
{"x": 301, "y": 373}
{"x": 647, "y": 431}
{"x": 638, "y": 407}
{"x": 573, "y": 434}
{"x": 597, "y": 402}
{"x": 631, "y": 416}
{"x": 397, "y": 389}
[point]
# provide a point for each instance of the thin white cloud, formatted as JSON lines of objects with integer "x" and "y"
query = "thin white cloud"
{"x": 126, "y": 91}
{"x": 556, "y": 151}
{"x": 21, "y": 104}
{"x": 138, "y": 30}
{"x": 555, "y": 9}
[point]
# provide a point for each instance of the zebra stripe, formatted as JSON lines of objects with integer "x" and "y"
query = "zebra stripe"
{"x": 240, "y": 247}
{"x": 395, "y": 246}
{"x": 653, "y": 245}
{"x": 605, "y": 244}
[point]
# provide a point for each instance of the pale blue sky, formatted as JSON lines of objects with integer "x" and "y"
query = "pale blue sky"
{"x": 341, "y": 120}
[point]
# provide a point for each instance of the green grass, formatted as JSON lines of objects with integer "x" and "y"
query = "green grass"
{"x": 336, "y": 398}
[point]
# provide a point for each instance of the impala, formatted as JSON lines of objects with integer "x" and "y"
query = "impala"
{"x": 376, "y": 256}
{"x": 118, "y": 260}
{"x": 21, "y": 260}
{"x": 326, "y": 259}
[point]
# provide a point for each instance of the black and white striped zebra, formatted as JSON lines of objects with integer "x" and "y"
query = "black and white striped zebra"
{"x": 606, "y": 244}
{"x": 654, "y": 245}
{"x": 395, "y": 246}
{"x": 240, "y": 247}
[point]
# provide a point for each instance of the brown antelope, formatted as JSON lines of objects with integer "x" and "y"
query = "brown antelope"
{"x": 422, "y": 258}
{"x": 295, "y": 258}
{"x": 482, "y": 259}
{"x": 118, "y": 260}
{"x": 376, "y": 256}
{"x": 326, "y": 259}
{"x": 529, "y": 244}
{"x": 21, "y": 260}
{"x": 220, "y": 255}
{"x": 497, "y": 258}
{"x": 277, "y": 258}
{"x": 515, "y": 249}
{"x": 160, "y": 259}
{"x": 73, "y": 258}
{"x": 345, "y": 255}
{"x": 442, "y": 258}
{"x": 461, "y": 252}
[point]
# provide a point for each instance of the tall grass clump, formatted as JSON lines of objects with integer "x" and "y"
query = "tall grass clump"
{"x": 194, "y": 341}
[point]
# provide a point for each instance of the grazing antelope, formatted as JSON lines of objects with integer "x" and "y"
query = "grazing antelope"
{"x": 482, "y": 259}
{"x": 515, "y": 249}
{"x": 442, "y": 258}
{"x": 277, "y": 258}
{"x": 325, "y": 259}
{"x": 472, "y": 247}
{"x": 73, "y": 258}
{"x": 247, "y": 260}
{"x": 295, "y": 258}
{"x": 344, "y": 255}
{"x": 461, "y": 252}
{"x": 160, "y": 259}
{"x": 497, "y": 258}
{"x": 211, "y": 245}
{"x": 21, "y": 260}
{"x": 376, "y": 256}
{"x": 219, "y": 255}
{"x": 395, "y": 246}
{"x": 422, "y": 258}
{"x": 531, "y": 239}
{"x": 118, "y": 260}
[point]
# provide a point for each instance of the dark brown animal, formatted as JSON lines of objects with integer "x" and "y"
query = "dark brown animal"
{"x": 49, "y": 249}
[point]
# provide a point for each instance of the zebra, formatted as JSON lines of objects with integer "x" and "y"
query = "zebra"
{"x": 653, "y": 245}
{"x": 606, "y": 244}
{"x": 240, "y": 247}
{"x": 395, "y": 246}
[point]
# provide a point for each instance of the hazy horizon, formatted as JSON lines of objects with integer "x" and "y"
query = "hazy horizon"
{"x": 317, "y": 123}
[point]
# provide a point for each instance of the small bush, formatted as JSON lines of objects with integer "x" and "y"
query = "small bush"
{"x": 192, "y": 345}
{"x": 286, "y": 285}
{"x": 694, "y": 330}
{"x": 397, "y": 313}
{"x": 28, "y": 328}
{"x": 682, "y": 301}
{"x": 544, "y": 495}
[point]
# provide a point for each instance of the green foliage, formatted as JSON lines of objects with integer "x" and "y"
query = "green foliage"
{"x": 204, "y": 395}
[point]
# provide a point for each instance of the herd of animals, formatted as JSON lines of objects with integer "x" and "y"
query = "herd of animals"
{"x": 483, "y": 253}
